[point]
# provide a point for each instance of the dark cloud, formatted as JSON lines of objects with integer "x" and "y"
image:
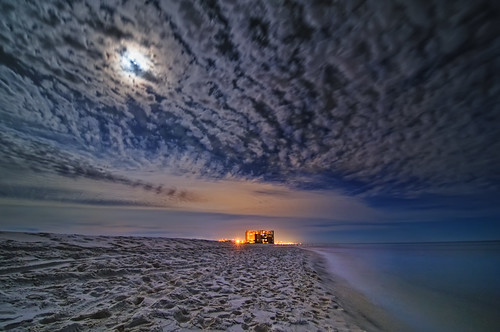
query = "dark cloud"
{"x": 20, "y": 155}
{"x": 67, "y": 196}
{"x": 372, "y": 97}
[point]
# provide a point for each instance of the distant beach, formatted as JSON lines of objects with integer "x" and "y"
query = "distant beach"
{"x": 52, "y": 282}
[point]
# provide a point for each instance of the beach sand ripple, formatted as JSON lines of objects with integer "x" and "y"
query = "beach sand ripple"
{"x": 69, "y": 283}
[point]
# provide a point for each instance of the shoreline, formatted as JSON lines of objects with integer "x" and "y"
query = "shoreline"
{"x": 430, "y": 286}
{"x": 357, "y": 306}
{"x": 53, "y": 282}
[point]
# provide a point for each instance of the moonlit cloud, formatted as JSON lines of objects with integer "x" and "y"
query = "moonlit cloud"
{"x": 135, "y": 62}
{"x": 350, "y": 99}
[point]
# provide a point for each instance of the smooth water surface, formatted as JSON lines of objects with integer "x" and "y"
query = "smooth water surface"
{"x": 428, "y": 286}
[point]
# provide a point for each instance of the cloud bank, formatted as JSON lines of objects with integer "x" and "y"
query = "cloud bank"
{"x": 395, "y": 98}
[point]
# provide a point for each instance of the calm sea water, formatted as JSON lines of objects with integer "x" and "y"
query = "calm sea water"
{"x": 428, "y": 286}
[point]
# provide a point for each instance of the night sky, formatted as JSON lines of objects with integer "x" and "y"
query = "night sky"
{"x": 325, "y": 120}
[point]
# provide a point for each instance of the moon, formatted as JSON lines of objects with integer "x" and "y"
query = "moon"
{"x": 134, "y": 62}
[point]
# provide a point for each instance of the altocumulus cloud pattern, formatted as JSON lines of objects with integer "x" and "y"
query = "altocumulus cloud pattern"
{"x": 370, "y": 97}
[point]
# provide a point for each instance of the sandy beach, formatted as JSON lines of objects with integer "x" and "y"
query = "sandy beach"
{"x": 68, "y": 283}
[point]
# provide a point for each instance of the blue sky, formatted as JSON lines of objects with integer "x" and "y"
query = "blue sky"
{"x": 341, "y": 121}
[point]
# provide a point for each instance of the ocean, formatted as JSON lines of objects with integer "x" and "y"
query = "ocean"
{"x": 452, "y": 286}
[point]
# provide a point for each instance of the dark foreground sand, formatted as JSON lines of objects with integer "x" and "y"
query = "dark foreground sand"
{"x": 78, "y": 283}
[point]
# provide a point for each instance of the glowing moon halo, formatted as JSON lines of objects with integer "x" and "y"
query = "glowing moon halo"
{"x": 133, "y": 61}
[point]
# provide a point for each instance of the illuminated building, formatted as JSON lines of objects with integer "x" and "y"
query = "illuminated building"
{"x": 259, "y": 236}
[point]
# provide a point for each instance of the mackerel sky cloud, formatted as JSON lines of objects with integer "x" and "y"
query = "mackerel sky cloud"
{"x": 349, "y": 109}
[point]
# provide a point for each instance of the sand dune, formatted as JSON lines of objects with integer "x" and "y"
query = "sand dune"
{"x": 78, "y": 283}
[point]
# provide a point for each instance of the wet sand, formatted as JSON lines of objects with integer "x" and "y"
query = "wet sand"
{"x": 357, "y": 306}
{"x": 68, "y": 283}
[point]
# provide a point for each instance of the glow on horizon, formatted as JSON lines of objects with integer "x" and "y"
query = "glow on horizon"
{"x": 278, "y": 243}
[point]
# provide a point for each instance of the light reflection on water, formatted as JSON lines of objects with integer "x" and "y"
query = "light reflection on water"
{"x": 429, "y": 286}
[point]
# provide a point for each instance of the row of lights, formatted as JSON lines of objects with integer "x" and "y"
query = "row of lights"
{"x": 280, "y": 243}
